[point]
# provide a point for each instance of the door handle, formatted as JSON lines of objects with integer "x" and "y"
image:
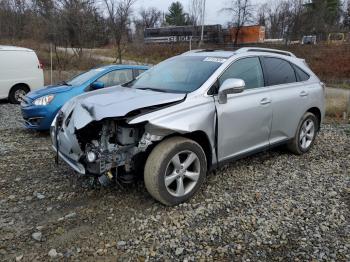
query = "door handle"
{"x": 303, "y": 93}
{"x": 265, "y": 101}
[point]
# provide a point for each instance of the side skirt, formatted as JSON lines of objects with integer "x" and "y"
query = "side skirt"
{"x": 244, "y": 155}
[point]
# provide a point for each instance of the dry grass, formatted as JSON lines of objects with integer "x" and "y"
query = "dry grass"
{"x": 63, "y": 62}
{"x": 59, "y": 76}
{"x": 337, "y": 106}
{"x": 330, "y": 62}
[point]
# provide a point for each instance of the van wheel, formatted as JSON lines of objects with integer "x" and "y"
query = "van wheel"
{"x": 17, "y": 92}
{"x": 305, "y": 135}
{"x": 175, "y": 170}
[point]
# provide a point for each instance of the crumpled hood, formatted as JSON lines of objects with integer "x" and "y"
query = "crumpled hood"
{"x": 48, "y": 90}
{"x": 113, "y": 102}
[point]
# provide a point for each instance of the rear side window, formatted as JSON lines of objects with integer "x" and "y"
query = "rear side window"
{"x": 278, "y": 71}
{"x": 139, "y": 71}
{"x": 248, "y": 69}
{"x": 301, "y": 75}
{"x": 116, "y": 77}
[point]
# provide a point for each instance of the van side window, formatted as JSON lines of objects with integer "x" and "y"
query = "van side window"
{"x": 278, "y": 71}
{"x": 301, "y": 75}
{"x": 248, "y": 69}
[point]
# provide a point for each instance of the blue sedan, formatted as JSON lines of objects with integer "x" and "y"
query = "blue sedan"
{"x": 40, "y": 107}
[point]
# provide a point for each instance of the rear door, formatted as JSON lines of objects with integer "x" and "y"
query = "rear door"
{"x": 244, "y": 122}
{"x": 289, "y": 95}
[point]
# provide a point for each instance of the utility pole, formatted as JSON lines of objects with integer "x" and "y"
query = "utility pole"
{"x": 203, "y": 15}
{"x": 51, "y": 63}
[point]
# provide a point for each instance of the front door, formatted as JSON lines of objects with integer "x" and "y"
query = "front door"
{"x": 244, "y": 122}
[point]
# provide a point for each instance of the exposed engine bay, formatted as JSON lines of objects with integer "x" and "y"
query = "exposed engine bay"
{"x": 114, "y": 151}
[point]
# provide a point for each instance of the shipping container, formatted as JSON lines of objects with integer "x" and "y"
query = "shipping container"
{"x": 248, "y": 34}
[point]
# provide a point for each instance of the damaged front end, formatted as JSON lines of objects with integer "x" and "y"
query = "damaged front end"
{"x": 116, "y": 150}
{"x": 108, "y": 148}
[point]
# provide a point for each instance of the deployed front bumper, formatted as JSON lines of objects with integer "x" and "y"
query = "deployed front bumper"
{"x": 68, "y": 146}
{"x": 73, "y": 164}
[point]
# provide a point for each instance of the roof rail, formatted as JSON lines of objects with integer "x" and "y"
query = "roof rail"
{"x": 267, "y": 50}
{"x": 199, "y": 51}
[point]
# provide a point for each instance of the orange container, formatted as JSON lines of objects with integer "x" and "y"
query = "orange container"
{"x": 249, "y": 34}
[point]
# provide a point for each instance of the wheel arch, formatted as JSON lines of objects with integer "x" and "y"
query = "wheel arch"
{"x": 317, "y": 112}
{"x": 19, "y": 84}
{"x": 202, "y": 139}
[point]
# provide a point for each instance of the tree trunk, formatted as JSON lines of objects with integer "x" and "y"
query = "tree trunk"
{"x": 119, "y": 53}
{"x": 236, "y": 36}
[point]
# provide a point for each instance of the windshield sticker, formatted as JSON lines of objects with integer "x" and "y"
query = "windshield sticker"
{"x": 215, "y": 60}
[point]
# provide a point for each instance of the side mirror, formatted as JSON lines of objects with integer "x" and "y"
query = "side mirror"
{"x": 230, "y": 86}
{"x": 97, "y": 85}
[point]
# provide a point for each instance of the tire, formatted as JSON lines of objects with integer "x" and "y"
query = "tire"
{"x": 16, "y": 92}
{"x": 296, "y": 146}
{"x": 162, "y": 165}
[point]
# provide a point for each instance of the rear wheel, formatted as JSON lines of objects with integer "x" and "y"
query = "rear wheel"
{"x": 306, "y": 134}
{"x": 175, "y": 170}
{"x": 17, "y": 92}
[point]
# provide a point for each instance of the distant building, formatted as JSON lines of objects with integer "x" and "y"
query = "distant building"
{"x": 248, "y": 34}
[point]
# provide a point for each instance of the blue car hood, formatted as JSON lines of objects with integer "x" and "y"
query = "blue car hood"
{"x": 47, "y": 90}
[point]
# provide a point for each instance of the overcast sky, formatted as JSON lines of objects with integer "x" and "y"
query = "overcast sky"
{"x": 213, "y": 7}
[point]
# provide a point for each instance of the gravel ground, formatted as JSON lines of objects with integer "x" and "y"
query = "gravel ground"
{"x": 269, "y": 207}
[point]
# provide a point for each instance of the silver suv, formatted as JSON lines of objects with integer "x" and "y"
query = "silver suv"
{"x": 189, "y": 114}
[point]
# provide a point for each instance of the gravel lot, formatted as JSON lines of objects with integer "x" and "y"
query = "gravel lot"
{"x": 272, "y": 206}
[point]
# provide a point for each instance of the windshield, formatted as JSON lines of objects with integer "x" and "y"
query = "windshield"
{"x": 182, "y": 74}
{"x": 82, "y": 78}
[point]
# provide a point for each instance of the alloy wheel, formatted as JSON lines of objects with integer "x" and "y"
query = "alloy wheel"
{"x": 307, "y": 134}
{"x": 182, "y": 173}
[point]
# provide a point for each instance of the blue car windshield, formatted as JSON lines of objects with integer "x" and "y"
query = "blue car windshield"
{"x": 181, "y": 74}
{"x": 82, "y": 78}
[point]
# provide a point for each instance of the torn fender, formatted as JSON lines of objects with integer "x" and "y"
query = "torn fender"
{"x": 185, "y": 117}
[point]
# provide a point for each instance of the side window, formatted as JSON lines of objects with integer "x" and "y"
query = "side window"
{"x": 301, "y": 75}
{"x": 139, "y": 72}
{"x": 278, "y": 71}
{"x": 116, "y": 77}
{"x": 248, "y": 69}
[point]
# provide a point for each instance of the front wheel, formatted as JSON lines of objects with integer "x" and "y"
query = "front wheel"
{"x": 305, "y": 135}
{"x": 175, "y": 170}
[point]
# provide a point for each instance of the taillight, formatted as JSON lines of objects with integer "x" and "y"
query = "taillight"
{"x": 323, "y": 87}
{"x": 41, "y": 65}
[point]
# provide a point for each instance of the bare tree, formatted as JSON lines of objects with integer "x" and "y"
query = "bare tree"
{"x": 347, "y": 15}
{"x": 150, "y": 17}
{"x": 195, "y": 11}
{"x": 119, "y": 12}
{"x": 242, "y": 14}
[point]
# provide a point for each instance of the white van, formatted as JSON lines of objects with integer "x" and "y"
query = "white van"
{"x": 20, "y": 72}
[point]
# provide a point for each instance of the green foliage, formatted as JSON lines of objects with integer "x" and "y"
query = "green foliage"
{"x": 176, "y": 15}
